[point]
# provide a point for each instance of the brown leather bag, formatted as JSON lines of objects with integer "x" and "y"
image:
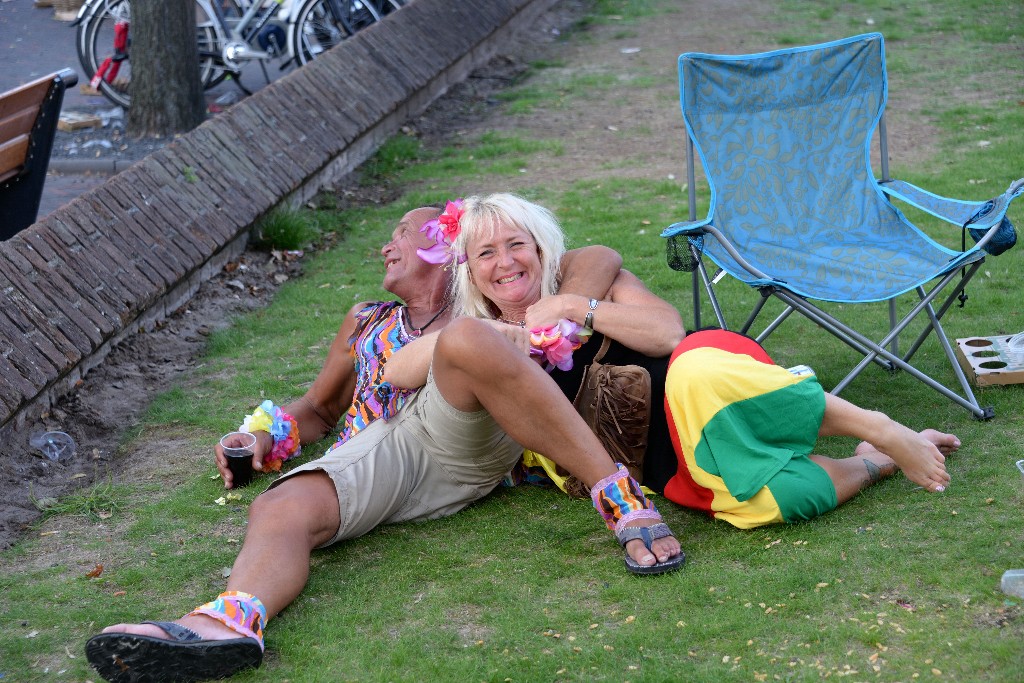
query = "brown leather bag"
{"x": 615, "y": 401}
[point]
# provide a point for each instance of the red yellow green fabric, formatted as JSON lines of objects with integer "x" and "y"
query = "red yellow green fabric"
{"x": 742, "y": 429}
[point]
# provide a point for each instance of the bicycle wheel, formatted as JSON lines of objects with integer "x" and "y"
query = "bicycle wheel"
{"x": 322, "y": 24}
{"x": 104, "y": 46}
{"x": 387, "y": 6}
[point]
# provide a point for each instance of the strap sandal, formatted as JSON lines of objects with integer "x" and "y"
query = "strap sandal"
{"x": 184, "y": 657}
{"x": 649, "y": 534}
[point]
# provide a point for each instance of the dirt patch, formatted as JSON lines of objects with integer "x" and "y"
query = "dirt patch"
{"x": 629, "y": 113}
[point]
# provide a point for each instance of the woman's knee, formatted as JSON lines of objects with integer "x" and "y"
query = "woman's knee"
{"x": 461, "y": 342}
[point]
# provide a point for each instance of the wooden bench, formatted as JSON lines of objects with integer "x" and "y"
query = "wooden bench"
{"x": 28, "y": 121}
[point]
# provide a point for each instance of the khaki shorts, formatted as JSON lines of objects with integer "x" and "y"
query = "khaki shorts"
{"x": 428, "y": 461}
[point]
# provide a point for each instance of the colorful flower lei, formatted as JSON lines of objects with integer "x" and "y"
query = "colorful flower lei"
{"x": 443, "y": 230}
{"x": 557, "y": 342}
{"x": 282, "y": 427}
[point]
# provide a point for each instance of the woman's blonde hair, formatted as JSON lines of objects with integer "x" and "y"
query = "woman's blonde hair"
{"x": 481, "y": 217}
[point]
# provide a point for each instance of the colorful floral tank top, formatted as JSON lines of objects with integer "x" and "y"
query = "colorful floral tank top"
{"x": 380, "y": 331}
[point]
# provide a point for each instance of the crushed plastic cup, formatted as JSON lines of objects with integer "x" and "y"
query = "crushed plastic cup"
{"x": 54, "y": 445}
{"x": 1015, "y": 346}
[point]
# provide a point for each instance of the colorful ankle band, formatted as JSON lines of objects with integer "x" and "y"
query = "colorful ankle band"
{"x": 269, "y": 418}
{"x": 619, "y": 500}
{"x": 241, "y": 612}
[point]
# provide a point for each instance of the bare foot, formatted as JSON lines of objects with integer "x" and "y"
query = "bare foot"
{"x": 921, "y": 456}
{"x": 662, "y": 550}
{"x": 946, "y": 443}
{"x": 207, "y": 628}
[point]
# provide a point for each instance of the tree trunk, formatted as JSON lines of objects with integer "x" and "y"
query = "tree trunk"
{"x": 167, "y": 96}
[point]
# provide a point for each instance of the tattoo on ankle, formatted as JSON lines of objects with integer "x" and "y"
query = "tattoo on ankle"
{"x": 877, "y": 473}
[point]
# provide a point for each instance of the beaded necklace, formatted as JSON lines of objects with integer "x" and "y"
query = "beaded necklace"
{"x": 419, "y": 330}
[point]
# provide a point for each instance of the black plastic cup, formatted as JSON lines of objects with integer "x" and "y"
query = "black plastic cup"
{"x": 238, "y": 449}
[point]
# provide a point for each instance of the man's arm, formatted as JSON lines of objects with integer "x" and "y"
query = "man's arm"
{"x": 587, "y": 273}
{"x": 318, "y": 411}
{"x": 331, "y": 393}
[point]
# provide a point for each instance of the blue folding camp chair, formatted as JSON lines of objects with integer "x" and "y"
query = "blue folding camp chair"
{"x": 796, "y": 212}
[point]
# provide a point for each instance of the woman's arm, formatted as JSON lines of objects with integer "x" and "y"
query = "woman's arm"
{"x": 588, "y": 272}
{"x": 407, "y": 368}
{"x": 633, "y": 316}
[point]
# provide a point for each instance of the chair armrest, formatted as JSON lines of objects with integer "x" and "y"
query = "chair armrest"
{"x": 686, "y": 228}
{"x": 981, "y": 215}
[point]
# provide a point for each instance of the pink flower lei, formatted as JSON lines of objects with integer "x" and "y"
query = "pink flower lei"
{"x": 443, "y": 230}
{"x": 557, "y": 342}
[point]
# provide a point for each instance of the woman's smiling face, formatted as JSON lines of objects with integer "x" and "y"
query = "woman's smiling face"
{"x": 505, "y": 266}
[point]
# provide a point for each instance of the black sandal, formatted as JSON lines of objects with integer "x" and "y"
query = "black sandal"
{"x": 186, "y": 657}
{"x": 649, "y": 534}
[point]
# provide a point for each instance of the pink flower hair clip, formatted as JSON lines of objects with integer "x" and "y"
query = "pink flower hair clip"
{"x": 443, "y": 230}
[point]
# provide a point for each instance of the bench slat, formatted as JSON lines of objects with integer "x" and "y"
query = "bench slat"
{"x": 28, "y": 96}
{"x": 12, "y": 156}
{"x": 18, "y": 123}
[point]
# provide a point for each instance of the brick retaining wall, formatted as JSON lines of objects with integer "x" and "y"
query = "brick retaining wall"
{"x": 126, "y": 254}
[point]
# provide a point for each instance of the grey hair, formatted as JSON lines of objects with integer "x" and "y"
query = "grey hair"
{"x": 481, "y": 216}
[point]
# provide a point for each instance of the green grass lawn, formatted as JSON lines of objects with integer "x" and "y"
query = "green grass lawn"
{"x": 527, "y": 585}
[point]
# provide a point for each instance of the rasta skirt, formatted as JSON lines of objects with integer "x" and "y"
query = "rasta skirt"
{"x": 743, "y": 428}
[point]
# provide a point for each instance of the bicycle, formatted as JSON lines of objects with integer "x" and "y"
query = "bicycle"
{"x": 229, "y": 33}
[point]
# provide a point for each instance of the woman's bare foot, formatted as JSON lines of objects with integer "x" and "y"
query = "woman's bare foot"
{"x": 207, "y": 628}
{"x": 946, "y": 443}
{"x": 921, "y": 456}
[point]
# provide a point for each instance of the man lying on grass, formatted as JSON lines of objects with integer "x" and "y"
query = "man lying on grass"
{"x": 428, "y": 458}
